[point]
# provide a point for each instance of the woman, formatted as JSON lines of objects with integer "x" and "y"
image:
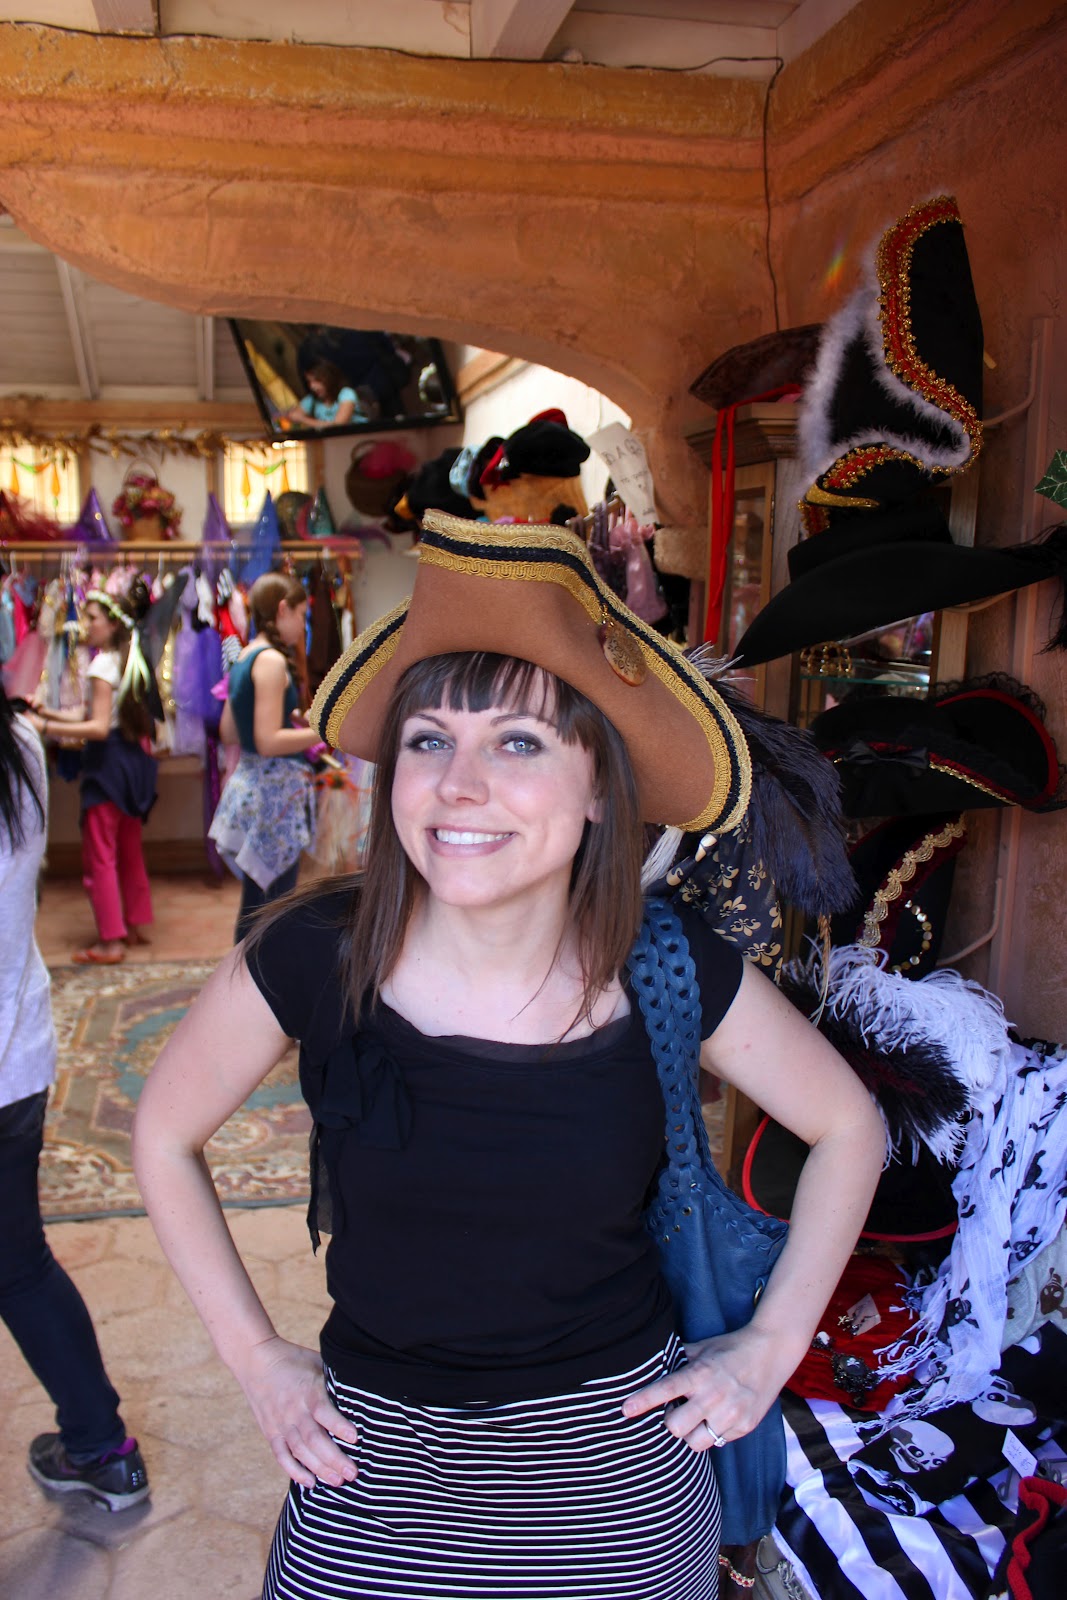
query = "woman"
{"x": 118, "y": 782}
{"x": 330, "y": 401}
{"x": 265, "y": 818}
{"x": 43, "y": 1310}
{"x": 506, "y": 1409}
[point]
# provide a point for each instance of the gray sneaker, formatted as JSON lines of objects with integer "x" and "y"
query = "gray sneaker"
{"x": 118, "y": 1479}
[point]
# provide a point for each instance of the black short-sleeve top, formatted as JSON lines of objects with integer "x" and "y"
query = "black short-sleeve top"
{"x": 487, "y": 1199}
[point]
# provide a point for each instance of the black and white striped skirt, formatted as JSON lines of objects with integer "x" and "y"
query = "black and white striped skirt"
{"x": 555, "y": 1499}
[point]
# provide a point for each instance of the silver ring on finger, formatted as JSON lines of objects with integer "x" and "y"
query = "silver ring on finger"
{"x": 717, "y": 1439}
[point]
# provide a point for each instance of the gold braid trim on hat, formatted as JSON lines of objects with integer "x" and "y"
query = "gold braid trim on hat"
{"x": 965, "y": 777}
{"x": 852, "y": 466}
{"x": 819, "y": 497}
{"x": 893, "y": 887}
{"x": 377, "y": 652}
{"x": 893, "y": 263}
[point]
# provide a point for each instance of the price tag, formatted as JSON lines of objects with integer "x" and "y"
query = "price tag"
{"x": 1020, "y": 1457}
{"x": 860, "y": 1317}
{"x": 624, "y": 456}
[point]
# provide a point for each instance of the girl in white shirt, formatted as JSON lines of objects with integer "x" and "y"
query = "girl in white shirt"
{"x": 118, "y": 784}
{"x": 42, "y": 1308}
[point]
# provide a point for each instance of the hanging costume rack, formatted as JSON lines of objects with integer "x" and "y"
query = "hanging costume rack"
{"x": 177, "y": 554}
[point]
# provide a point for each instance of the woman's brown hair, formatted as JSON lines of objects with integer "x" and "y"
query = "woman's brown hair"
{"x": 330, "y": 376}
{"x": 605, "y": 898}
{"x": 264, "y": 598}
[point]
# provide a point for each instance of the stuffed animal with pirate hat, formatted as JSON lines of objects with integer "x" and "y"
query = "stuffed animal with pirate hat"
{"x": 532, "y": 476}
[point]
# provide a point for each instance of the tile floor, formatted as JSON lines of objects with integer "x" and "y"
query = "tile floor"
{"x": 216, "y": 1490}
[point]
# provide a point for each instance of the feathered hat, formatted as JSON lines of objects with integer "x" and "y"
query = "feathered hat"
{"x": 891, "y": 411}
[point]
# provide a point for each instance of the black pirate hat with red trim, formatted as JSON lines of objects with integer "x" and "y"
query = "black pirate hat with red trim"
{"x": 892, "y": 411}
{"x": 968, "y": 747}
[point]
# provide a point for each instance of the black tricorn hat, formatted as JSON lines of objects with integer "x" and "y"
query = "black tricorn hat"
{"x": 843, "y": 586}
{"x": 904, "y": 868}
{"x": 891, "y": 411}
{"x": 977, "y": 745}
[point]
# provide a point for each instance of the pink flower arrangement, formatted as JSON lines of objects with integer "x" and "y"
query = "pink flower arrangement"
{"x": 142, "y": 495}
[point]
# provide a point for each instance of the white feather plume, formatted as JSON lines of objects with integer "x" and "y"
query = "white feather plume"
{"x": 892, "y": 1012}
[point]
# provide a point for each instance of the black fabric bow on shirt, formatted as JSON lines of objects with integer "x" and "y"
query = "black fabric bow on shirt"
{"x": 363, "y": 1092}
{"x": 357, "y": 1093}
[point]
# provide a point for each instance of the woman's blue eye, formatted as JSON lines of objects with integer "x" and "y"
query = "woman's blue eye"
{"x": 425, "y": 741}
{"x": 524, "y": 744}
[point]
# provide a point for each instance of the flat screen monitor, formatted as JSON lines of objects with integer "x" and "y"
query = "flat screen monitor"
{"x": 312, "y": 380}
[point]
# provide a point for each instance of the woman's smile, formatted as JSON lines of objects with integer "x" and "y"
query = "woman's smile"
{"x": 464, "y": 838}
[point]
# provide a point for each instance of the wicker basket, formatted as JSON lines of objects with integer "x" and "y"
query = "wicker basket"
{"x": 144, "y": 530}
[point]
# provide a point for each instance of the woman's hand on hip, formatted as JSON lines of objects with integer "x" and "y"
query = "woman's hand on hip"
{"x": 726, "y": 1387}
{"x": 284, "y": 1385}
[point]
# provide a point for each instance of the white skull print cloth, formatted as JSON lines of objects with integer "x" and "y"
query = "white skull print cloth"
{"x": 1011, "y": 1193}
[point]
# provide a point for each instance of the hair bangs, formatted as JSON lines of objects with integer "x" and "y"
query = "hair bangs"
{"x": 477, "y": 680}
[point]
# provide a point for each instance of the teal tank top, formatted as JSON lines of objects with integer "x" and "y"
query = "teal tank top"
{"x": 242, "y": 696}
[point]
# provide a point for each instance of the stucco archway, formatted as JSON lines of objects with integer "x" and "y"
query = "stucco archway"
{"x": 607, "y": 225}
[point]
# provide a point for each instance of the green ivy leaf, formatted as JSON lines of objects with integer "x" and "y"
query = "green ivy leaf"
{"x": 1054, "y": 484}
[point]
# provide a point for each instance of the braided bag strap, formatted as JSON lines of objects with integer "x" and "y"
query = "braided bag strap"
{"x": 664, "y": 982}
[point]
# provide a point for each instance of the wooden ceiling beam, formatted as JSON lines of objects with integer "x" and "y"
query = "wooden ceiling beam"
{"x": 515, "y": 30}
{"x": 127, "y": 16}
{"x": 70, "y": 287}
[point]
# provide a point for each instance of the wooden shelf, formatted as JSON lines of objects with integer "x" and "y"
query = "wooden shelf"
{"x": 761, "y": 433}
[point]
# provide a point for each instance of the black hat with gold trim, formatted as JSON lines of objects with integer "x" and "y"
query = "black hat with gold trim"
{"x": 904, "y": 867}
{"x": 533, "y": 592}
{"x": 891, "y": 411}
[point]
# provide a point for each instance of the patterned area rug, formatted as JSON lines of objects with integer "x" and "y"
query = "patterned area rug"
{"x": 112, "y": 1024}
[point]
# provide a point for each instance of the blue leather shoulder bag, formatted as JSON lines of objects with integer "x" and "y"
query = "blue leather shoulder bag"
{"x": 716, "y": 1252}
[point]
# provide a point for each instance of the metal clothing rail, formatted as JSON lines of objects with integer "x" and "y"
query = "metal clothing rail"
{"x": 180, "y": 553}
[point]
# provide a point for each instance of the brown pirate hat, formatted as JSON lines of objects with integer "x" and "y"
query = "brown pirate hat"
{"x": 532, "y": 592}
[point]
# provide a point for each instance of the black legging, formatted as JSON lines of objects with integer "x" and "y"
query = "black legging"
{"x": 45, "y": 1313}
{"x": 253, "y": 897}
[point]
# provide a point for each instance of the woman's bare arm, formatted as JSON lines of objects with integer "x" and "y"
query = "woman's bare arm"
{"x": 75, "y": 724}
{"x": 220, "y": 1051}
{"x": 271, "y": 679}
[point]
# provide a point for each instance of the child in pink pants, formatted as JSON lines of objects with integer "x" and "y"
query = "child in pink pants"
{"x": 118, "y": 784}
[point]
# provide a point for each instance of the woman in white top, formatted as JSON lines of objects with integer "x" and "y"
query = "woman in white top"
{"x": 42, "y": 1308}
{"x": 118, "y": 783}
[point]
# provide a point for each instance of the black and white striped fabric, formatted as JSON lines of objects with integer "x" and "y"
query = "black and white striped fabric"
{"x": 845, "y": 1548}
{"x": 556, "y": 1499}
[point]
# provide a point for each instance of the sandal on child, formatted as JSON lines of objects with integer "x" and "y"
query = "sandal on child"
{"x": 97, "y": 958}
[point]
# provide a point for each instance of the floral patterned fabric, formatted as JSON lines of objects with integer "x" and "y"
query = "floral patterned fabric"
{"x": 266, "y": 817}
{"x": 729, "y": 885}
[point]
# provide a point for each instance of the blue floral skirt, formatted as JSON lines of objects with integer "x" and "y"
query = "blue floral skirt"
{"x": 266, "y": 817}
